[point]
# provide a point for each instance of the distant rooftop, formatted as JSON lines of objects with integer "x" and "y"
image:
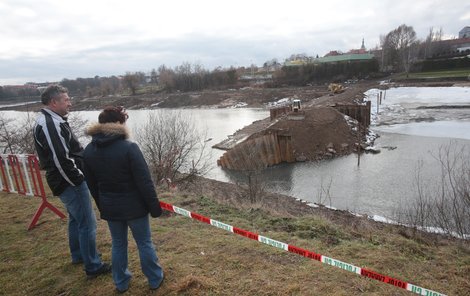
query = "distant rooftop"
{"x": 344, "y": 57}
{"x": 332, "y": 59}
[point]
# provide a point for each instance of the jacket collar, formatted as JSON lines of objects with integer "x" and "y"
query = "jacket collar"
{"x": 54, "y": 115}
{"x": 108, "y": 129}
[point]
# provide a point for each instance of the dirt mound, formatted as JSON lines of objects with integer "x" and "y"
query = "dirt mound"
{"x": 323, "y": 132}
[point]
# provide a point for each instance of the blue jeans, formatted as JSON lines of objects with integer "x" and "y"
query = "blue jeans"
{"x": 140, "y": 229}
{"x": 81, "y": 226}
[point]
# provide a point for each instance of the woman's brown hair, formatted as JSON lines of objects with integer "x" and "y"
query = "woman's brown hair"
{"x": 113, "y": 114}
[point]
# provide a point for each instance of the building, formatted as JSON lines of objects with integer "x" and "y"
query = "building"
{"x": 361, "y": 50}
{"x": 465, "y": 32}
{"x": 345, "y": 58}
{"x": 360, "y": 54}
{"x": 451, "y": 47}
{"x": 334, "y": 56}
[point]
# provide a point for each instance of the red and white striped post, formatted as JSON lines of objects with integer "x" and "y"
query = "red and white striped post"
{"x": 26, "y": 181}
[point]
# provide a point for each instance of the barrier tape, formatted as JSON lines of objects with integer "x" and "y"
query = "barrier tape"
{"x": 33, "y": 163}
{"x": 302, "y": 252}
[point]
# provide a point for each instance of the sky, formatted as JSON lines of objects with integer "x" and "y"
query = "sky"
{"x": 48, "y": 40}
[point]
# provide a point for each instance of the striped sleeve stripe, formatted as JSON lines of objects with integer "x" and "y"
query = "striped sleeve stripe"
{"x": 51, "y": 130}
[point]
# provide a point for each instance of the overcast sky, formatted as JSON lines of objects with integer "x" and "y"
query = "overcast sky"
{"x": 48, "y": 40}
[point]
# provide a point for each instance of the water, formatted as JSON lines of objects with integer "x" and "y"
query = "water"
{"x": 383, "y": 181}
{"x": 440, "y": 129}
{"x": 405, "y": 105}
{"x": 380, "y": 184}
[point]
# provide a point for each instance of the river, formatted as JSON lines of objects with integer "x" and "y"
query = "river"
{"x": 412, "y": 124}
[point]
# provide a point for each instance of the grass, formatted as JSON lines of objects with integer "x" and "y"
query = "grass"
{"x": 436, "y": 74}
{"x": 199, "y": 259}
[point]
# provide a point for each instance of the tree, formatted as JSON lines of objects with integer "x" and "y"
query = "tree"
{"x": 430, "y": 43}
{"x": 16, "y": 136}
{"x": 167, "y": 77}
{"x": 7, "y": 135}
{"x": 273, "y": 63}
{"x": 131, "y": 81}
{"x": 397, "y": 47}
{"x": 256, "y": 184}
{"x": 153, "y": 77}
{"x": 172, "y": 146}
{"x": 445, "y": 202}
{"x": 246, "y": 163}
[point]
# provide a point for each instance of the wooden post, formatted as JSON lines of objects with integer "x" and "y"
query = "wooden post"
{"x": 359, "y": 144}
{"x": 377, "y": 103}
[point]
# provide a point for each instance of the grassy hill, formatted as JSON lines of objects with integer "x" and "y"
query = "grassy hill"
{"x": 199, "y": 259}
{"x": 459, "y": 74}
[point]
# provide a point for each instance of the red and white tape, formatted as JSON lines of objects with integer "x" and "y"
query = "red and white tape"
{"x": 302, "y": 252}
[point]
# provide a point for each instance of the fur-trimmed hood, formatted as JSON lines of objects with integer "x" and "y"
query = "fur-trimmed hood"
{"x": 105, "y": 133}
{"x": 111, "y": 128}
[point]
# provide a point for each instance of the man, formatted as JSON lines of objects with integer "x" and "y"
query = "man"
{"x": 60, "y": 155}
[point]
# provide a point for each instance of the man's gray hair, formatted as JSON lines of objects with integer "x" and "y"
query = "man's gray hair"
{"x": 51, "y": 92}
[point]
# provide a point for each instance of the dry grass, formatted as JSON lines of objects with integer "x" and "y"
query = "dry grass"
{"x": 199, "y": 259}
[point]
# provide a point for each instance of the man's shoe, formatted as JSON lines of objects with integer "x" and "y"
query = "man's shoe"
{"x": 105, "y": 268}
{"x": 159, "y": 285}
{"x": 80, "y": 261}
{"x": 119, "y": 291}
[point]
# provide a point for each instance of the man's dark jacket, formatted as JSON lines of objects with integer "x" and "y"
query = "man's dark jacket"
{"x": 117, "y": 174}
{"x": 58, "y": 150}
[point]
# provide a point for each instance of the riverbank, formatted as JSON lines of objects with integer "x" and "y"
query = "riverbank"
{"x": 250, "y": 97}
{"x": 199, "y": 259}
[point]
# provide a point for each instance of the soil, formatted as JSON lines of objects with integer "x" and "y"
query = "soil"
{"x": 322, "y": 133}
{"x": 252, "y": 97}
{"x": 318, "y": 131}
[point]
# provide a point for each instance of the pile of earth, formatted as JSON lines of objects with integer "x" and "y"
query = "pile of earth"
{"x": 324, "y": 132}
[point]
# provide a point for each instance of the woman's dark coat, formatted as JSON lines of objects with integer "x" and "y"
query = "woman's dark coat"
{"x": 117, "y": 174}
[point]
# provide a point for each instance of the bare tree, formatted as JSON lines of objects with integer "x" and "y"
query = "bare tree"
{"x": 77, "y": 124}
{"x": 254, "y": 166}
{"x": 443, "y": 203}
{"x": 173, "y": 146}
{"x": 166, "y": 78}
{"x": 153, "y": 77}
{"x": 16, "y": 136}
{"x": 430, "y": 43}
{"x": 249, "y": 163}
{"x": 7, "y": 135}
{"x": 131, "y": 81}
{"x": 397, "y": 47}
{"x": 417, "y": 214}
{"x": 452, "y": 200}
{"x": 323, "y": 194}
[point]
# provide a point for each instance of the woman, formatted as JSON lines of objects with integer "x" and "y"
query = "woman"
{"x": 119, "y": 180}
